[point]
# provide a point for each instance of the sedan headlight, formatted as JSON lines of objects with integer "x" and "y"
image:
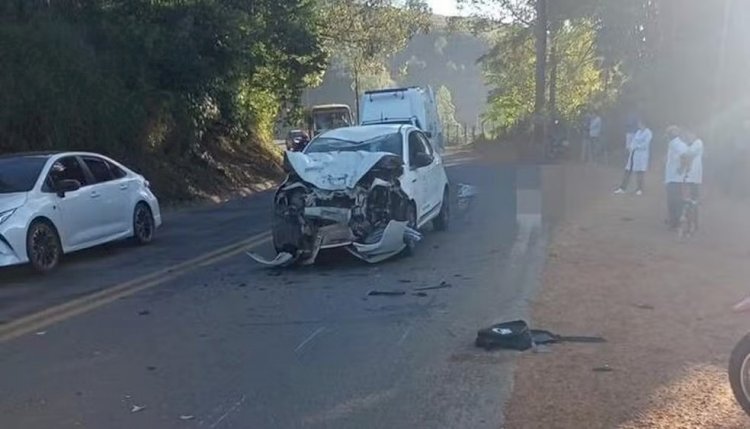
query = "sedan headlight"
{"x": 6, "y": 215}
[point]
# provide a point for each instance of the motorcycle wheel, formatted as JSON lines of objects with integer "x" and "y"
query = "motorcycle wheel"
{"x": 739, "y": 373}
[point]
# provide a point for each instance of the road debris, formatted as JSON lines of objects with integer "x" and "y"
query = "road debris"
{"x": 40, "y": 333}
{"x": 405, "y": 281}
{"x": 644, "y": 306}
{"x": 144, "y": 313}
{"x": 420, "y": 294}
{"x": 386, "y": 293}
{"x": 137, "y": 408}
{"x": 516, "y": 335}
{"x": 604, "y": 368}
{"x": 187, "y": 417}
{"x": 151, "y": 368}
{"x": 442, "y": 285}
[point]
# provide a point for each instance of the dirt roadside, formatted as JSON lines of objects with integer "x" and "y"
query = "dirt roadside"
{"x": 663, "y": 305}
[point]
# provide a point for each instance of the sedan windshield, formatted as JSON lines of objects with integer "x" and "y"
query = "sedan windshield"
{"x": 19, "y": 174}
{"x": 390, "y": 143}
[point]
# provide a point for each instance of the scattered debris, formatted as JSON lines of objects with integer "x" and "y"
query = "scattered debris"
{"x": 242, "y": 285}
{"x": 187, "y": 417}
{"x": 516, "y": 335}
{"x": 604, "y": 368}
{"x": 273, "y": 273}
{"x": 405, "y": 281}
{"x": 137, "y": 408}
{"x": 144, "y": 313}
{"x": 40, "y": 333}
{"x": 442, "y": 285}
{"x": 151, "y": 368}
{"x": 386, "y": 293}
{"x": 644, "y": 306}
{"x": 262, "y": 289}
{"x": 420, "y": 294}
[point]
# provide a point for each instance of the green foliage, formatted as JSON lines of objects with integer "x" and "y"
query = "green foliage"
{"x": 152, "y": 82}
{"x": 364, "y": 34}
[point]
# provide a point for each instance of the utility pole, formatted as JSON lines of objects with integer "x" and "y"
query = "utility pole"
{"x": 540, "y": 32}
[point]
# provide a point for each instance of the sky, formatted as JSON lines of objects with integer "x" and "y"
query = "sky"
{"x": 443, "y": 7}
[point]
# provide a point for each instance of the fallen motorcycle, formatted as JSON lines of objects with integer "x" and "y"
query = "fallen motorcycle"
{"x": 739, "y": 364}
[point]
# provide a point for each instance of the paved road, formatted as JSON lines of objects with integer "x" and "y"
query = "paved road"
{"x": 230, "y": 344}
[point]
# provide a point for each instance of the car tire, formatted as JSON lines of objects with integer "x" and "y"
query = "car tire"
{"x": 442, "y": 221}
{"x": 411, "y": 222}
{"x": 738, "y": 365}
{"x": 43, "y": 246}
{"x": 144, "y": 226}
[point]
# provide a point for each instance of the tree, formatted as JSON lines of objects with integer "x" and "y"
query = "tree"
{"x": 446, "y": 109}
{"x": 363, "y": 34}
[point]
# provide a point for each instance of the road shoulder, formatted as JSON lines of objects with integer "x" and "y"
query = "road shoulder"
{"x": 663, "y": 305}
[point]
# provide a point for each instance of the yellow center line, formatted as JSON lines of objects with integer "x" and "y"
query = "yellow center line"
{"x": 58, "y": 313}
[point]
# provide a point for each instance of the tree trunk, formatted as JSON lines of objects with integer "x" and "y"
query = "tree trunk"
{"x": 540, "y": 33}
{"x": 356, "y": 92}
{"x": 553, "y": 62}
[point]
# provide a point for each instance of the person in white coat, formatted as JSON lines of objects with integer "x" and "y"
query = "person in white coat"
{"x": 674, "y": 175}
{"x": 694, "y": 164}
{"x": 639, "y": 149}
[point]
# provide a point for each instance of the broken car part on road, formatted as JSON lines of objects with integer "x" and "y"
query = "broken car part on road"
{"x": 516, "y": 335}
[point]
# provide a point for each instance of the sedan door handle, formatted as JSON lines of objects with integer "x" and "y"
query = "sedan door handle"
{"x": 95, "y": 194}
{"x": 124, "y": 186}
{"x": 413, "y": 180}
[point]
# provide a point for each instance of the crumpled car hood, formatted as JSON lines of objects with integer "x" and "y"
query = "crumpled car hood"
{"x": 333, "y": 171}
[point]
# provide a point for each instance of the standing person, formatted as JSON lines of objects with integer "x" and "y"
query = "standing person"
{"x": 639, "y": 149}
{"x": 595, "y": 133}
{"x": 694, "y": 163}
{"x": 674, "y": 175}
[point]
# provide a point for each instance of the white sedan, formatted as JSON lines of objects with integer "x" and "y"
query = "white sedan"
{"x": 368, "y": 189}
{"x": 57, "y": 203}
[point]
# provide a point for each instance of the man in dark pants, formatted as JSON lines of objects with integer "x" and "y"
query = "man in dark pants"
{"x": 674, "y": 176}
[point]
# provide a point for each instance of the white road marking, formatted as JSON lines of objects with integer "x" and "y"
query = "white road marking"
{"x": 231, "y": 410}
{"x": 403, "y": 337}
{"x": 310, "y": 338}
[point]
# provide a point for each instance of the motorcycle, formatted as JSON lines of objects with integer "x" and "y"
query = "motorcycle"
{"x": 739, "y": 364}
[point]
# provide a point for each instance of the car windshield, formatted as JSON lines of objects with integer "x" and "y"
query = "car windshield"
{"x": 19, "y": 174}
{"x": 385, "y": 143}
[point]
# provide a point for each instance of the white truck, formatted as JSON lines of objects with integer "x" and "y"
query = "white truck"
{"x": 413, "y": 105}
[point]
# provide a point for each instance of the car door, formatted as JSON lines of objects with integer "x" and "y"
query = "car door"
{"x": 435, "y": 181}
{"x": 419, "y": 175}
{"x": 112, "y": 196}
{"x": 79, "y": 210}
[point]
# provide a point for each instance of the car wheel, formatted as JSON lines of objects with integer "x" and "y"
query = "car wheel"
{"x": 411, "y": 222}
{"x": 143, "y": 224}
{"x": 43, "y": 247}
{"x": 442, "y": 221}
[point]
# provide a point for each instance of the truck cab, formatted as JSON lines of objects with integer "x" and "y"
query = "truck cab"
{"x": 414, "y": 105}
{"x": 326, "y": 117}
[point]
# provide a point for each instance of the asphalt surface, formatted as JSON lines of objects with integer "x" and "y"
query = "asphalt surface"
{"x": 232, "y": 344}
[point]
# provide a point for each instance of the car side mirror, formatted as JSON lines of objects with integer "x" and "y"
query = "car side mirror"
{"x": 428, "y": 134}
{"x": 68, "y": 185}
{"x": 422, "y": 159}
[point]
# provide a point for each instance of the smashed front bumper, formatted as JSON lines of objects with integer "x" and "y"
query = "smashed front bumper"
{"x": 379, "y": 246}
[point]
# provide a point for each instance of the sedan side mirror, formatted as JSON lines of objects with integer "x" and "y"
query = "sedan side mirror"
{"x": 428, "y": 134}
{"x": 421, "y": 159}
{"x": 68, "y": 185}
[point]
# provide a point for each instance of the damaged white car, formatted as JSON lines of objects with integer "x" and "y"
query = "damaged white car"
{"x": 369, "y": 189}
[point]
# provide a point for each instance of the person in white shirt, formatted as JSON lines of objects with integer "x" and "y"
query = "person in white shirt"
{"x": 693, "y": 159}
{"x": 639, "y": 149}
{"x": 595, "y": 133}
{"x": 674, "y": 175}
